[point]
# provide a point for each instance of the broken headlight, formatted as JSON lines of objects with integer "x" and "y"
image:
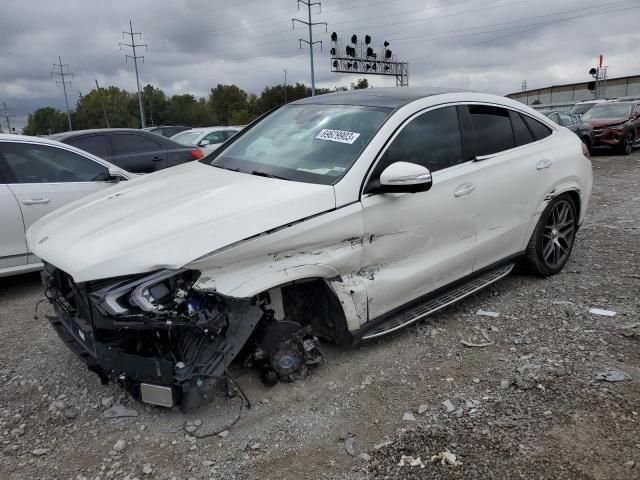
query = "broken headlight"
{"x": 156, "y": 292}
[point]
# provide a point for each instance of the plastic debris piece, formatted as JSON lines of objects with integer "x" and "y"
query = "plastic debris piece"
{"x": 613, "y": 375}
{"x": 599, "y": 311}
{"x": 408, "y": 460}
{"x": 348, "y": 446}
{"x": 448, "y": 405}
{"x": 447, "y": 458}
{"x": 487, "y": 313}
{"x": 408, "y": 417}
{"x": 380, "y": 445}
{"x": 119, "y": 411}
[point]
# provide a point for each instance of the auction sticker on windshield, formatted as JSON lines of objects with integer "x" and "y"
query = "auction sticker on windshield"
{"x": 337, "y": 136}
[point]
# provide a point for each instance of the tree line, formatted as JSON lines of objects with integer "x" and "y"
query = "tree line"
{"x": 115, "y": 107}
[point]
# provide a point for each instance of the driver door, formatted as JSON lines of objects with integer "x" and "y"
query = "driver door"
{"x": 44, "y": 177}
{"x": 415, "y": 243}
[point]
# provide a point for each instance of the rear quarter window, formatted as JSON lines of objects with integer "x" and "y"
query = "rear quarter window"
{"x": 538, "y": 129}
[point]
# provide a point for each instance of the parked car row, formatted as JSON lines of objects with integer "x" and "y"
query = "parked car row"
{"x": 613, "y": 124}
{"x": 208, "y": 139}
{"x": 38, "y": 176}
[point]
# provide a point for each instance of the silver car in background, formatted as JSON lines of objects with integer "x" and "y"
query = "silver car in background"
{"x": 37, "y": 176}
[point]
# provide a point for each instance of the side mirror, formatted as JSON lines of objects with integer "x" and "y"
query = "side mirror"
{"x": 405, "y": 177}
{"x": 115, "y": 174}
{"x": 204, "y": 143}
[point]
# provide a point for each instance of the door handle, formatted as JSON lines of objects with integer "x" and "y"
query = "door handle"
{"x": 157, "y": 159}
{"x": 542, "y": 164}
{"x": 36, "y": 201}
{"x": 464, "y": 189}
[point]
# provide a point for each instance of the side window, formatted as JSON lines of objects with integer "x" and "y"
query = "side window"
{"x": 95, "y": 144}
{"x": 28, "y": 163}
{"x": 521, "y": 132}
{"x": 538, "y": 129}
{"x": 216, "y": 137}
{"x": 555, "y": 118}
{"x": 492, "y": 127}
{"x": 124, "y": 143}
{"x": 566, "y": 120}
{"x": 433, "y": 140}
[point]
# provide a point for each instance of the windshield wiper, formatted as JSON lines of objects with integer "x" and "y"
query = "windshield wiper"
{"x": 268, "y": 175}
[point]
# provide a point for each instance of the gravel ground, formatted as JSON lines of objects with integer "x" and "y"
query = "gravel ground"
{"x": 527, "y": 406}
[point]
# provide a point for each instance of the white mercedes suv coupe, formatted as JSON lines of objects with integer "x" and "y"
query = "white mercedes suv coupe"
{"x": 344, "y": 217}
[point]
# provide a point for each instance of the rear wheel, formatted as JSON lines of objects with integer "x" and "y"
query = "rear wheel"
{"x": 552, "y": 240}
{"x": 626, "y": 146}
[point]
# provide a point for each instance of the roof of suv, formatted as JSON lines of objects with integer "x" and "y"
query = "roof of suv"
{"x": 377, "y": 97}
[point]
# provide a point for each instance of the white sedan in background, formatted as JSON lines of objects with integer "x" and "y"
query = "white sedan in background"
{"x": 37, "y": 176}
{"x": 208, "y": 139}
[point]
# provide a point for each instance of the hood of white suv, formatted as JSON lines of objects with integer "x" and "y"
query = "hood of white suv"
{"x": 168, "y": 219}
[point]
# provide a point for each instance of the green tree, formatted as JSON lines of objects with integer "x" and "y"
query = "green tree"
{"x": 187, "y": 110}
{"x": 46, "y": 121}
{"x": 226, "y": 99}
{"x": 155, "y": 105}
{"x": 360, "y": 84}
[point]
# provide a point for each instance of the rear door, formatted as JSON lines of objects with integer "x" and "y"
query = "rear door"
{"x": 514, "y": 162}
{"x": 97, "y": 144}
{"x": 44, "y": 177}
{"x": 138, "y": 153}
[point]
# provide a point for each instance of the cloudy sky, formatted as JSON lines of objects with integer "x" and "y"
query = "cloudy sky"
{"x": 488, "y": 45}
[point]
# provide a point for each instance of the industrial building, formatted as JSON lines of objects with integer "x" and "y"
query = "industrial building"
{"x": 569, "y": 94}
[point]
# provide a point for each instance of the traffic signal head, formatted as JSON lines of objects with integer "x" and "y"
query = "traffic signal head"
{"x": 593, "y": 71}
{"x": 367, "y": 39}
{"x": 591, "y": 86}
{"x": 334, "y": 37}
{"x": 387, "y": 54}
{"x": 354, "y": 39}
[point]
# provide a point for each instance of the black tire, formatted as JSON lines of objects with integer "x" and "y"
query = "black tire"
{"x": 626, "y": 145}
{"x": 587, "y": 143}
{"x": 552, "y": 240}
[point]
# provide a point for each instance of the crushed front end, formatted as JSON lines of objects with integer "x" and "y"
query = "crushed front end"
{"x": 167, "y": 343}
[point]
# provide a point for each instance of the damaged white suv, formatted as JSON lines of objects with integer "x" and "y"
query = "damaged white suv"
{"x": 344, "y": 217}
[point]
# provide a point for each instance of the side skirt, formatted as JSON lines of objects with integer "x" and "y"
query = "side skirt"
{"x": 435, "y": 301}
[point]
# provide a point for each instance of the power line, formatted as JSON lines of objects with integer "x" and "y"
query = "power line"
{"x": 135, "y": 58}
{"x": 6, "y": 113}
{"x": 309, "y": 42}
{"x": 63, "y": 72}
{"x": 104, "y": 110}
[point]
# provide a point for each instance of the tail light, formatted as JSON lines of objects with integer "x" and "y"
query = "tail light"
{"x": 585, "y": 150}
{"x": 197, "y": 153}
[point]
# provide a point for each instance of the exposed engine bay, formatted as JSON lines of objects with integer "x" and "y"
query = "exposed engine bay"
{"x": 170, "y": 344}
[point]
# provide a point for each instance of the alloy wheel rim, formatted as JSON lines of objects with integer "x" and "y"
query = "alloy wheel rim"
{"x": 628, "y": 145}
{"x": 558, "y": 234}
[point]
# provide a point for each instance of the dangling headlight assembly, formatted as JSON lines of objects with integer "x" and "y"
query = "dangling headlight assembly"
{"x": 150, "y": 293}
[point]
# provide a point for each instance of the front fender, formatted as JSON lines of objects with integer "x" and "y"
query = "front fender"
{"x": 276, "y": 278}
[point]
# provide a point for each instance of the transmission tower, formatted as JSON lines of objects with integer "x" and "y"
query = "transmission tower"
{"x": 6, "y": 113}
{"x": 309, "y": 42}
{"x": 61, "y": 70}
{"x": 134, "y": 57}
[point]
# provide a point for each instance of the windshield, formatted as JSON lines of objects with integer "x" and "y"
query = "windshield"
{"x": 189, "y": 137}
{"x": 305, "y": 143}
{"x": 608, "y": 111}
{"x": 581, "y": 108}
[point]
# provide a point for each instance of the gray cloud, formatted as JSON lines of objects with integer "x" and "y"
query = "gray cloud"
{"x": 195, "y": 44}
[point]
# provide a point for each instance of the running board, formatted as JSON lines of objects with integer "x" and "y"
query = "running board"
{"x": 421, "y": 310}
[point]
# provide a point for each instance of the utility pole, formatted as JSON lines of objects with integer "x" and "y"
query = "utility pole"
{"x": 285, "y": 85}
{"x": 61, "y": 73}
{"x": 135, "y": 58}
{"x": 79, "y": 95}
{"x": 104, "y": 110}
{"x": 309, "y": 42}
{"x": 6, "y": 113}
